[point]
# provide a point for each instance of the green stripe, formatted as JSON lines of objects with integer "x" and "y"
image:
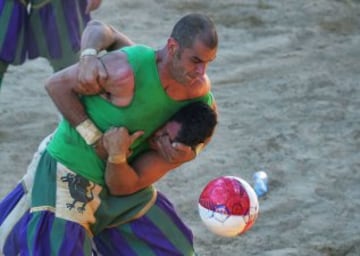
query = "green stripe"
{"x": 20, "y": 45}
{"x": 171, "y": 231}
{"x": 40, "y": 41}
{"x": 80, "y": 19}
{"x": 4, "y": 18}
{"x": 3, "y": 68}
{"x": 62, "y": 29}
{"x": 44, "y": 195}
{"x": 87, "y": 246}
{"x": 114, "y": 210}
{"x": 31, "y": 228}
{"x": 57, "y": 234}
{"x": 68, "y": 56}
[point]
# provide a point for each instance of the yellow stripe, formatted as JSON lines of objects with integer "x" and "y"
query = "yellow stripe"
{"x": 43, "y": 208}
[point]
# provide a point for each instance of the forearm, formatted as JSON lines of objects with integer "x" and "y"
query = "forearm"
{"x": 100, "y": 36}
{"x": 121, "y": 178}
{"x": 59, "y": 88}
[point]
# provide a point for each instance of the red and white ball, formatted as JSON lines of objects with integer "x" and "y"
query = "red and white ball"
{"x": 228, "y": 206}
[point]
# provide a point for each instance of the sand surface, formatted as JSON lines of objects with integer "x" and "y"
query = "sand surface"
{"x": 286, "y": 81}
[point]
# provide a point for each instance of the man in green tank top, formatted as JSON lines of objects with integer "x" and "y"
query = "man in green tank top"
{"x": 177, "y": 75}
{"x": 144, "y": 86}
{"x": 110, "y": 220}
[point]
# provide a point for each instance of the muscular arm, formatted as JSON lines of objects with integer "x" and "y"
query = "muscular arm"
{"x": 124, "y": 179}
{"x": 100, "y": 36}
{"x": 64, "y": 88}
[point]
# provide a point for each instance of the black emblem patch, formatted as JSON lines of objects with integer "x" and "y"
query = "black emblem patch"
{"x": 80, "y": 190}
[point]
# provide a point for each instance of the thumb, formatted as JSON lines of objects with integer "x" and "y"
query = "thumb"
{"x": 136, "y": 135}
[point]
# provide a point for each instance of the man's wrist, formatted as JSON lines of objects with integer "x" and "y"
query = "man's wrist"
{"x": 117, "y": 159}
{"x": 89, "y": 132}
{"x": 88, "y": 52}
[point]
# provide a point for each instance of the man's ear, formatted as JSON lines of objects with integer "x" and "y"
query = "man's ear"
{"x": 172, "y": 46}
{"x": 198, "y": 148}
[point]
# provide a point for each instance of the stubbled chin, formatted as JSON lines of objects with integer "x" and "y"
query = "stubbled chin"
{"x": 195, "y": 82}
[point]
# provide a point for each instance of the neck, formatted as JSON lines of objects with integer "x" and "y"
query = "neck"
{"x": 173, "y": 89}
{"x": 165, "y": 78}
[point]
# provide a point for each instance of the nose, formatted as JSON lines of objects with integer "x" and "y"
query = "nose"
{"x": 201, "y": 68}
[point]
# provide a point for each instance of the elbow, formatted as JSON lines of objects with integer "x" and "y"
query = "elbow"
{"x": 121, "y": 182}
{"x": 48, "y": 87}
{"x": 52, "y": 89}
{"x": 120, "y": 191}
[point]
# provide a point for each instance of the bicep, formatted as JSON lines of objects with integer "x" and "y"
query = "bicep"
{"x": 64, "y": 80}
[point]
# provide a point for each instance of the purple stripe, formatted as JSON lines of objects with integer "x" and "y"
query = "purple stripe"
{"x": 15, "y": 244}
{"x": 70, "y": 9}
{"x": 2, "y": 4}
{"x": 16, "y": 21}
{"x": 148, "y": 232}
{"x": 106, "y": 245}
{"x": 72, "y": 22}
{"x": 10, "y": 201}
{"x": 51, "y": 32}
{"x": 70, "y": 246}
{"x": 35, "y": 230}
{"x": 73, "y": 246}
{"x": 142, "y": 231}
{"x": 41, "y": 239}
{"x": 163, "y": 203}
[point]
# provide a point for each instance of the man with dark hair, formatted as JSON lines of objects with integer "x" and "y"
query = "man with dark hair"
{"x": 194, "y": 113}
{"x": 169, "y": 234}
{"x": 194, "y": 25}
{"x": 192, "y": 126}
{"x": 72, "y": 190}
{"x": 116, "y": 232}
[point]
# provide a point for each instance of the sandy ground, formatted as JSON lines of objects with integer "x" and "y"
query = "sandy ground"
{"x": 286, "y": 80}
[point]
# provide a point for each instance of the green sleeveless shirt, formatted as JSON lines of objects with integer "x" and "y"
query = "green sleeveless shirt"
{"x": 150, "y": 108}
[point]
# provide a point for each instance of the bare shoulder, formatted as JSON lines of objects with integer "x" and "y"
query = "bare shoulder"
{"x": 120, "y": 84}
{"x": 116, "y": 64}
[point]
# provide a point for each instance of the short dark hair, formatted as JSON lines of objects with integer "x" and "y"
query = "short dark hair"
{"x": 194, "y": 26}
{"x": 198, "y": 121}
